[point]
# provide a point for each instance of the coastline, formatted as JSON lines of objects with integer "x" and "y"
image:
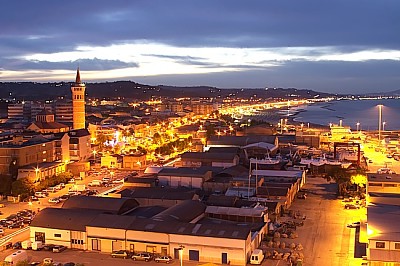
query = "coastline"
{"x": 274, "y": 117}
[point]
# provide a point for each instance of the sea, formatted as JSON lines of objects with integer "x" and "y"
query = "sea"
{"x": 351, "y": 112}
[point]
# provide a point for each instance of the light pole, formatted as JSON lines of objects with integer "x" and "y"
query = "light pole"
{"x": 181, "y": 254}
{"x": 358, "y": 126}
{"x": 36, "y": 172}
{"x": 379, "y": 122}
{"x": 383, "y": 125}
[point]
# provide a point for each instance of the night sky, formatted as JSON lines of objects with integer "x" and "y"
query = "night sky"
{"x": 328, "y": 46}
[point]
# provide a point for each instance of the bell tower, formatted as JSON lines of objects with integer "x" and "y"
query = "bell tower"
{"x": 78, "y": 102}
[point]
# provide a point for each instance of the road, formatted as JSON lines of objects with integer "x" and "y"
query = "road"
{"x": 325, "y": 238}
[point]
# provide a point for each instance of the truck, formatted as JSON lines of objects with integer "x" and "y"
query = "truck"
{"x": 257, "y": 257}
{"x": 16, "y": 257}
{"x": 37, "y": 245}
{"x": 27, "y": 244}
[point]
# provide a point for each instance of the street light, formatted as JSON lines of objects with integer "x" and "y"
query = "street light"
{"x": 36, "y": 173}
{"x": 358, "y": 126}
{"x": 383, "y": 125}
{"x": 379, "y": 122}
{"x": 181, "y": 254}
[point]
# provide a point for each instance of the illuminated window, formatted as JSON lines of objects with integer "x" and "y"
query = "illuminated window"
{"x": 380, "y": 244}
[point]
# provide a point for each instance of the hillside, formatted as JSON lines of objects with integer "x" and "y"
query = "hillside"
{"x": 129, "y": 89}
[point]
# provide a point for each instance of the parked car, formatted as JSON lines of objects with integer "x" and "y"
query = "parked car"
{"x": 351, "y": 206}
{"x": 166, "y": 259}
{"x": 385, "y": 170}
{"x": 142, "y": 256}
{"x": 121, "y": 254}
{"x": 17, "y": 245}
{"x": 54, "y": 200}
{"x": 48, "y": 247}
{"x": 16, "y": 225}
{"x": 59, "y": 248}
{"x": 64, "y": 197}
{"x": 354, "y": 225}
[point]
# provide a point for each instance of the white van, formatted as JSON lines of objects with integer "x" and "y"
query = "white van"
{"x": 37, "y": 245}
{"x": 257, "y": 257}
{"x": 16, "y": 257}
{"x": 27, "y": 244}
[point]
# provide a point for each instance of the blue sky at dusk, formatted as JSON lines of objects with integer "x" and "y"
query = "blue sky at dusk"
{"x": 329, "y": 46}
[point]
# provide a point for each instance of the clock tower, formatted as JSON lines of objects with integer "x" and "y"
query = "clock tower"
{"x": 78, "y": 102}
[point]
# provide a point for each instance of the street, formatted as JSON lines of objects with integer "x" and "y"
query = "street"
{"x": 325, "y": 236}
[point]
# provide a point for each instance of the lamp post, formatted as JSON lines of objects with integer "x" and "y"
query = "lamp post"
{"x": 181, "y": 254}
{"x": 358, "y": 126}
{"x": 36, "y": 173}
{"x": 383, "y": 125}
{"x": 379, "y": 122}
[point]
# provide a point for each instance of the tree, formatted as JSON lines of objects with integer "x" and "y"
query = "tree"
{"x": 157, "y": 138}
{"x": 23, "y": 187}
{"x": 341, "y": 176}
{"x": 359, "y": 180}
{"x": 5, "y": 184}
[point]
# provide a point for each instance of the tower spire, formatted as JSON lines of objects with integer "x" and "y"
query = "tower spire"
{"x": 78, "y": 77}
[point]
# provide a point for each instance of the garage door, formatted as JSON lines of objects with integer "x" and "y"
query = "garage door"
{"x": 194, "y": 255}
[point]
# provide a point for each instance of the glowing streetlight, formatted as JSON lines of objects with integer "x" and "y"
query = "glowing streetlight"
{"x": 181, "y": 254}
{"x": 94, "y": 155}
{"x": 36, "y": 173}
{"x": 379, "y": 122}
{"x": 301, "y": 125}
{"x": 358, "y": 126}
{"x": 383, "y": 125}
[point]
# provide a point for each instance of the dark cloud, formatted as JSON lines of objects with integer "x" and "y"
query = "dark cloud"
{"x": 87, "y": 64}
{"x": 47, "y": 26}
{"x": 325, "y": 76}
{"x": 208, "y": 23}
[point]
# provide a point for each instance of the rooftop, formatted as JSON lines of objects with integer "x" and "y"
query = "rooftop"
{"x": 383, "y": 222}
{"x": 390, "y": 178}
{"x": 65, "y": 219}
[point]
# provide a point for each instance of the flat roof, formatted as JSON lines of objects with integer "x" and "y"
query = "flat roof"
{"x": 278, "y": 173}
{"x": 189, "y": 171}
{"x": 383, "y": 222}
{"x": 159, "y": 193}
{"x": 389, "y": 178}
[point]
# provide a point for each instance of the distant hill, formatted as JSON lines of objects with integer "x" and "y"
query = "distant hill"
{"x": 388, "y": 93}
{"x": 129, "y": 89}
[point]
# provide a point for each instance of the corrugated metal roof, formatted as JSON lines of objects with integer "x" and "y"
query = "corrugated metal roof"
{"x": 106, "y": 205}
{"x": 248, "y": 212}
{"x": 65, "y": 219}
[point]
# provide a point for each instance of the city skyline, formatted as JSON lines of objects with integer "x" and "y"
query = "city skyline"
{"x": 347, "y": 46}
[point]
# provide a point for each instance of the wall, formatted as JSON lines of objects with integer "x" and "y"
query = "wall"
{"x": 64, "y": 239}
{"x": 211, "y": 248}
